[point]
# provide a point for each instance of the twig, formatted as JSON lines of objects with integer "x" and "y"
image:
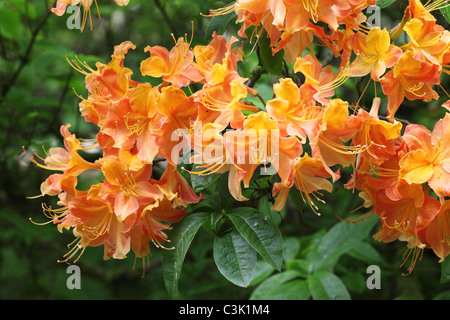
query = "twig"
{"x": 256, "y": 74}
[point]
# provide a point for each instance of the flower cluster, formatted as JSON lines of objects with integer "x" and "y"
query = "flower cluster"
{"x": 201, "y": 109}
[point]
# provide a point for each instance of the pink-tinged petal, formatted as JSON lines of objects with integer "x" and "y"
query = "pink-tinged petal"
{"x": 418, "y": 137}
{"x": 122, "y": 2}
{"x": 360, "y": 68}
{"x": 234, "y": 183}
{"x": 52, "y": 185}
{"x": 117, "y": 245}
{"x": 60, "y": 8}
{"x": 446, "y": 105}
{"x": 125, "y": 205}
{"x": 440, "y": 182}
{"x": 148, "y": 193}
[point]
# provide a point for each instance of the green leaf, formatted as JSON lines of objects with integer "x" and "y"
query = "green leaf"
{"x": 200, "y": 182}
{"x": 291, "y": 247}
{"x": 325, "y": 285}
{"x": 384, "y": 3}
{"x": 446, "y": 12}
{"x": 261, "y": 233}
{"x": 222, "y": 190}
{"x": 262, "y": 271}
{"x": 280, "y": 287}
{"x": 273, "y": 63}
{"x": 235, "y": 258}
{"x": 218, "y": 23}
{"x": 445, "y": 270}
{"x": 340, "y": 239}
{"x": 305, "y": 267}
{"x": 367, "y": 253}
{"x": 181, "y": 237}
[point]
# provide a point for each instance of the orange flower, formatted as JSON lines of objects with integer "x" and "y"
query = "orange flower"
{"x": 179, "y": 111}
{"x": 437, "y": 234}
{"x": 309, "y": 175}
{"x": 321, "y": 78}
{"x": 128, "y": 190}
{"x": 428, "y": 159}
{"x": 295, "y": 109}
{"x": 175, "y": 187}
{"x": 329, "y": 143}
{"x": 411, "y": 211}
{"x": 411, "y": 78}
{"x": 374, "y": 53}
{"x": 66, "y": 160}
{"x": 174, "y": 66}
{"x": 150, "y": 227}
{"x": 377, "y": 138}
{"x": 98, "y": 225}
{"x": 136, "y": 121}
{"x": 109, "y": 83}
{"x": 218, "y": 51}
{"x": 223, "y": 98}
{"x": 427, "y": 38}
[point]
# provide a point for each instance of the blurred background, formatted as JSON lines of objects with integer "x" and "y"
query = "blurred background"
{"x": 39, "y": 92}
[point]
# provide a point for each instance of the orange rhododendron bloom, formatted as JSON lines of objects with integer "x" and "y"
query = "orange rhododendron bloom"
{"x": 321, "y": 78}
{"x": 174, "y": 66}
{"x": 258, "y": 143}
{"x": 411, "y": 78}
{"x": 151, "y": 225}
{"x": 428, "y": 39}
{"x": 428, "y": 159}
{"x": 129, "y": 190}
{"x": 67, "y": 160}
{"x": 437, "y": 234}
{"x": 375, "y": 53}
{"x": 295, "y": 109}
{"x": 309, "y": 175}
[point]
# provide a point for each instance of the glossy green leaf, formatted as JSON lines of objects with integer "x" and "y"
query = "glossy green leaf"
{"x": 201, "y": 182}
{"x": 325, "y": 285}
{"x": 261, "y": 233}
{"x": 291, "y": 247}
{"x": 446, "y": 12}
{"x": 273, "y": 63}
{"x": 219, "y": 23}
{"x": 235, "y": 258}
{"x": 181, "y": 237}
{"x": 340, "y": 239}
{"x": 282, "y": 286}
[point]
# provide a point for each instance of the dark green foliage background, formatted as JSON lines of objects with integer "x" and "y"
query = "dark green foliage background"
{"x": 37, "y": 95}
